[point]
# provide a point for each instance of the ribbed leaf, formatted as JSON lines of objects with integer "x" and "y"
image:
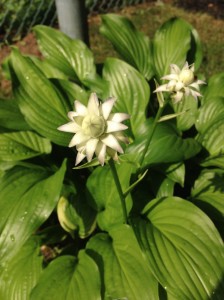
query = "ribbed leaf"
{"x": 132, "y": 45}
{"x": 21, "y": 274}
{"x": 44, "y": 109}
{"x": 190, "y": 108}
{"x": 71, "y": 91}
{"x": 208, "y": 194}
{"x": 171, "y": 43}
{"x": 215, "y": 87}
{"x": 69, "y": 278}
{"x": 183, "y": 249}
{"x": 104, "y": 196}
{"x": 124, "y": 269}
{"x": 74, "y": 213}
{"x": 166, "y": 145}
{"x": 11, "y": 117}
{"x": 210, "y": 112}
{"x": 24, "y": 207}
{"x": 213, "y": 141}
{"x": 72, "y": 57}
{"x": 130, "y": 88}
{"x": 22, "y": 145}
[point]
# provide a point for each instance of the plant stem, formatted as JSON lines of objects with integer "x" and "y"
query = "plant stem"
{"x": 158, "y": 115}
{"x": 119, "y": 189}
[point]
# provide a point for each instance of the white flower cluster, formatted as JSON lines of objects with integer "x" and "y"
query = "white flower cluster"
{"x": 96, "y": 129}
{"x": 181, "y": 82}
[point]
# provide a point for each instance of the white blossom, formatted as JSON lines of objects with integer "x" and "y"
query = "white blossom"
{"x": 181, "y": 82}
{"x": 96, "y": 129}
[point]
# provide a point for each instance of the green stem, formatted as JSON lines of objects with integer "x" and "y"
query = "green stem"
{"x": 119, "y": 189}
{"x": 158, "y": 115}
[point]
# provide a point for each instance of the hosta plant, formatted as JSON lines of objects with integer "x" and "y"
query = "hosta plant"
{"x": 112, "y": 176}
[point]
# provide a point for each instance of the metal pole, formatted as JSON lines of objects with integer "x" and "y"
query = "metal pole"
{"x": 72, "y": 18}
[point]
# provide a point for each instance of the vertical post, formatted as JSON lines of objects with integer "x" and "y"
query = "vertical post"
{"x": 72, "y": 18}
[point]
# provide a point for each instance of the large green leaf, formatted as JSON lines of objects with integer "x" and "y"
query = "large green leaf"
{"x": 215, "y": 87}
{"x": 21, "y": 274}
{"x": 184, "y": 249}
{"x": 124, "y": 269}
{"x": 213, "y": 141}
{"x": 208, "y": 194}
{"x": 22, "y": 145}
{"x": 11, "y": 117}
{"x": 24, "y": 207}
{"x": 171, "y": 43}
{"x": 132, "y": 45}
{"x": 72, "y": 57}
{"x": 104, "y": 197}
{"x": 130, "y": 88}
{"x": 210, "y": 112}
{"x": 69, "y": 278}
{"x": 44, "y": 109}
{"x": 166, "y": 145}
{"x": 74, "y": 213}
{"x": 189, "y": 107}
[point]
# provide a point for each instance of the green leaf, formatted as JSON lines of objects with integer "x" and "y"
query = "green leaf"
{"x": 74, "y": 213}
{"x": 215, "y": 87}
{"x": 22, "y": 145}
{"x": 47, "y": 68}
{"x": 11, "y": 117}
{"x": 72, "y": 57}
{"x": 132, "y": 45}
{"x": 21, "y": 274}
{"x": 25, "y": 206}
{"x": 189, "y": 107}
{"x": 183, "y": 248}
{"x": 172, "y": 148}
{"x": 124, "y": 269}
{"x": 130, "y": 88}
{"x": 44, "y": 109}
{"x": 208, "y": 194}
{"x": 213, "y": 141}
{"x": 69, "y": 278}
{"x": 102, "y": 193}
{"x": 210, "y": 112}
{"x": 71, "y": 91}
{"x": 171, "y": 45}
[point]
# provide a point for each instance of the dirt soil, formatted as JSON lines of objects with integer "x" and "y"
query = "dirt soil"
{"x": 28, "y": 44}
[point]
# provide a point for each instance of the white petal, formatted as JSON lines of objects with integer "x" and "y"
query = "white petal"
{"x": 101, "y": 152}
{"x": 161, "y": 88}
{"x": 107, "y": 107}
{"x": 112, "y": 142}
{"x": 119, "y": 136}
{"x": 93, "y": 105}
{"x": 174, "y": 69}
{"x": 113, "y": 126}
{"x": 178, "y": 96}
{"x": 80, "y": 156}
{"x": 170, "y": 77}
{"x": 78, "y": 138}
{"x": 72, "y": 114}
{"x": 80, "y": 108}
{"x": 119, "y": 117}
{"x": 186, "y": 67}
{"x": 112, "y": 153}
{"x": 90, "y": 148}
{"x": 195, "y": 94}
{"x": 69, "y": 127}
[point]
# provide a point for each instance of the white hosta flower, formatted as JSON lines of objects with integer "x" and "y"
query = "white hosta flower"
{"x": 181, "y": 82}
{"x": 96, "y": 129}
